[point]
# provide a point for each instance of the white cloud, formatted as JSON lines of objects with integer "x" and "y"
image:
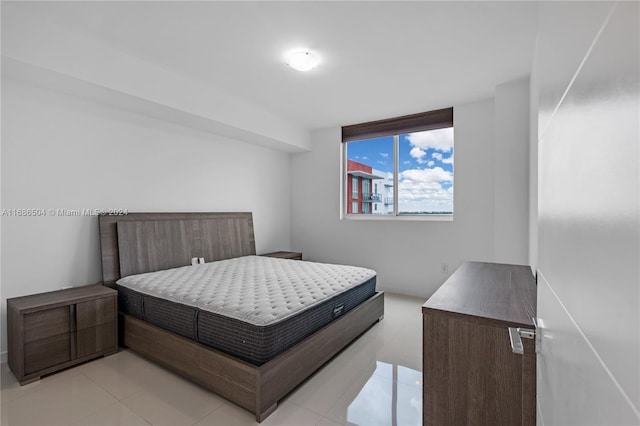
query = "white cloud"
{"x": 421, "y": 197}
{"x": 440, "y": 139}
{"x": 437, "y": 156}
{"x": 431, "y": 163}
{"x": 418, "y": 154}
{"x": 384, "y": 154}
{"x": 437, "y": 174}
{"x": 406, "y": 162}
{"x": 423, "y": 190}
{"x": 448, "y": 160}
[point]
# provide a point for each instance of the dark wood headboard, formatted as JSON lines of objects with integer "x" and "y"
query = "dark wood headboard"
{"x": 145, "y": 242}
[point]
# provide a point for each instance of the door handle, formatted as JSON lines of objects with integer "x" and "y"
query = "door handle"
{"x": 516, "y": 335}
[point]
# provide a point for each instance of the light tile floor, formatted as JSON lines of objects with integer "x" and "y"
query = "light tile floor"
{"x": 377, "y": 380}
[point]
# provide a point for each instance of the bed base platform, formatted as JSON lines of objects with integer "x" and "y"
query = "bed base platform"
{"x": 256, "y": 388}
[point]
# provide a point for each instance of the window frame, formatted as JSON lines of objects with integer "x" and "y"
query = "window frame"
{"x": 431, "y": 120}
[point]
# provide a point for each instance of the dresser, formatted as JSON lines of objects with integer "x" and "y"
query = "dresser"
{"x": 471, "y": 376}
{"x": 50, "y": 331}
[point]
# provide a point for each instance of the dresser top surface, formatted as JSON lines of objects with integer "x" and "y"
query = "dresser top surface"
{"x": 493, "y": 291}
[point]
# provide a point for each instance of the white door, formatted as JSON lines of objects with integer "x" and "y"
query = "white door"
{"x": 586, "y": 81}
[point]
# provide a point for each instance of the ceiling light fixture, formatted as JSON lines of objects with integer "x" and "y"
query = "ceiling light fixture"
{"x": 302, "y": 60}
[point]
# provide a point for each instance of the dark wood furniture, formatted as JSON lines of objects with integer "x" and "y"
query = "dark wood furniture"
{"x": 51, "y": 331}
{"x": 145, "y": 242}
{"x": 284, "y": 255}
{"x": 471, "y": 375}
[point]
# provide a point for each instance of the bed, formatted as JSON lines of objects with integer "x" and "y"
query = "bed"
{"x": 192, "y": 338}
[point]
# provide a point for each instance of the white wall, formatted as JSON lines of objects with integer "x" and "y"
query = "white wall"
{"x": 511, "y": 181}
{"x": 35, "y": 46}
{"x": 63, "y": 152}
{"x": 408, "y": 254}
{"x": 587, "y": 78}
{"x": 533, "y": 165}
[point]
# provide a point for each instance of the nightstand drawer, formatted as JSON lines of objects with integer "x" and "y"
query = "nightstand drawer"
{"x": 95, "y": 312}
{"x": 95, "y": 339}
{"x": 39, "y": 325}
{"x": 47, "y": 352}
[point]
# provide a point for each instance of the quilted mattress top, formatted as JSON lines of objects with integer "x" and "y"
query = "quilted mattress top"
{"x": 254, "y": 289}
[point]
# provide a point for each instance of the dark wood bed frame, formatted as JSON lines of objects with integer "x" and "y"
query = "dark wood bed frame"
{"x": 145, "y": 242}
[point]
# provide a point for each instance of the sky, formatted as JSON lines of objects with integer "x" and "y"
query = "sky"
{"x": 425, "y": 170}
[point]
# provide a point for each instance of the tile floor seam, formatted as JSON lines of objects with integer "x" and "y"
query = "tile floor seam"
{"x": 141, "y": 415}
{"x": 101, "y": 386}
{"x": 208, "y": 414}
{"x": 43, "y": 386}
{"x": 308, "y": 408}
{"x": 77, "y": 421}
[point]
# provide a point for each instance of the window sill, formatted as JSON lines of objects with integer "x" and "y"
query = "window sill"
{"x": 401, "y": 218}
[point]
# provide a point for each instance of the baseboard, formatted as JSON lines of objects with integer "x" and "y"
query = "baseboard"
{"x": 3, "y": 357}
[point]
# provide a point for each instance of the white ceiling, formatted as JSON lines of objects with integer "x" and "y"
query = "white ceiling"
{"x": 379, "y": 59}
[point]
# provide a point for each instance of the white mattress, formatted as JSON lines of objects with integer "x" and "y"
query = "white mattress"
{"x": 255, "y": 289}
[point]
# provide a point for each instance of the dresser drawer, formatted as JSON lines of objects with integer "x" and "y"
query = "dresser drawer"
{"x": 45, "y": 353}
{"x": 43, "y": 324}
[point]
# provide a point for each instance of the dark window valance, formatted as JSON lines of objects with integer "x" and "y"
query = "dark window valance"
{"x": 431, "y": 120}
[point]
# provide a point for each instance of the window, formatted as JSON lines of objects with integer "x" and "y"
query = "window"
{"x": 410, "y": 157}
{"x": 354, "y": 207}
{"x": 354, "y": 187}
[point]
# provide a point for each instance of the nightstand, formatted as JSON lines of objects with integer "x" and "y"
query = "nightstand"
{"x": 284, "y": 255}
{"x": 51, "y": 331}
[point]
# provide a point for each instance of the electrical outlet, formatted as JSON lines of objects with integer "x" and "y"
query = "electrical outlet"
{"x": 194, "y": 260}
{"x": 444, "y": 268}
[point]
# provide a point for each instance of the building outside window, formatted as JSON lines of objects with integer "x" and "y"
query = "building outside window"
{"x": 361, "y": 175}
